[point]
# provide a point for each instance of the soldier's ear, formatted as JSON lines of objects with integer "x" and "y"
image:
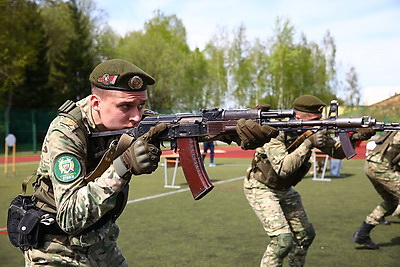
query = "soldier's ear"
{"x": 95, "y": 102}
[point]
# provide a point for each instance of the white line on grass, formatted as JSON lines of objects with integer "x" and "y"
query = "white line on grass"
{"x": 180, "y": 191}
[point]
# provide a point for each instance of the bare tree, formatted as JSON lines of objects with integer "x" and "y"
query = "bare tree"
{"x": 353, "y": 88}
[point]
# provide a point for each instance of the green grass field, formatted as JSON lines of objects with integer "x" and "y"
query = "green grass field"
{"x": 222, "y": 230}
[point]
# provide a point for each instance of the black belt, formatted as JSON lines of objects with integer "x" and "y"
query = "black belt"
{"x": 55, "y": 229}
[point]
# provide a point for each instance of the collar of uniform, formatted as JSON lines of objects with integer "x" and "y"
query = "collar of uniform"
{"x": 87, "y": 117}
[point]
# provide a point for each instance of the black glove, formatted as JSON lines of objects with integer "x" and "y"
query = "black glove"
{"x": 143, "y": 155}
{"x": 363, "y": 134}
{"x": 318, "y": 139}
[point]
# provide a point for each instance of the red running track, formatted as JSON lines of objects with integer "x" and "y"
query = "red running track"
{"x": 220, "y": 152}
{"x": 237, "y": 152}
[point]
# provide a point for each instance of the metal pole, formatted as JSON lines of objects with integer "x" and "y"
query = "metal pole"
{"x": 34, "y": 142}
{"x": 5, "y": 159}
{"x": 14, "y": 150}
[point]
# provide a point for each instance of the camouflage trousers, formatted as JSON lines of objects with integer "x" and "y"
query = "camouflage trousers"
{"x": 387, "y": 183}
{"x": 96, "y": 248}
{"x": 281, "y": 213}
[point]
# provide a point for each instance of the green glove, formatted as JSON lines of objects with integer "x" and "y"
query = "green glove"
{"x": 318, "y": 139}
{"x": 143, "y": 155}
{"x": 363, "y": 134}
{"x": 253, "y": 135}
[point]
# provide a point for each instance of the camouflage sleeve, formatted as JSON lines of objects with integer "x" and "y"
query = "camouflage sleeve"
{"x": 79, "y": 204}
{"x": 284, "y": 163}
{"x": 333, "y": 148}
{"x": 396, "y": 139}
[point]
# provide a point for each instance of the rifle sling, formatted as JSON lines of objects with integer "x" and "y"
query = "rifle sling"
{"x": 25, "y": 183}
{"x": 299, "y": 140}
{"x": 113, "y": 152}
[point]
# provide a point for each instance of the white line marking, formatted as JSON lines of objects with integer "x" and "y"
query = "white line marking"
{"x": 180, "y": 191}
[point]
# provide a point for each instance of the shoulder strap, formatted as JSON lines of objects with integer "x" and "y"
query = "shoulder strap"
{"x": 25, "y": 183}
{"x": 72, "y": 111}
{"x": 299, "y": 141}
{"x": 384, "y": 141}
{"x": 113, "y": 152}
{"x": 67, "y": 106}
{"x": 382, "y": 138}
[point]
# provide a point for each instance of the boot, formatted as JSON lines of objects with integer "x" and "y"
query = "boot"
{"x": 362, "y": 236}
{"x": 384, "y": 221}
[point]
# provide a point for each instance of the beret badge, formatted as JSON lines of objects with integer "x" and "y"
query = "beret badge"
{"x": 107, "y": 79}
{"x": 135, "y": 82}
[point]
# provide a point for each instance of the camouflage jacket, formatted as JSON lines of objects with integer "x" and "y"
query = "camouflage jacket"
{"x": 278, "y": 169}
{"x": 68, "y": 155}
{"x": 387, "y": 152}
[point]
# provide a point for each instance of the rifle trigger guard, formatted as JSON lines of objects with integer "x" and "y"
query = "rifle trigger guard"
{"x": 174, "y": 145}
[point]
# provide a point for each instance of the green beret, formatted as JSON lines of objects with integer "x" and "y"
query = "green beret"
{"x": 118, "y": 74}
{"x": 309, "y": 104}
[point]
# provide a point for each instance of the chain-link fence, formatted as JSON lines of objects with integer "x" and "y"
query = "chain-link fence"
{"x": 28, "y": 125}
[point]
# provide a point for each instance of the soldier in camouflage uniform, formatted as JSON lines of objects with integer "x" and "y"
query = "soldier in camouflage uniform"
{"x": 84, "y": 232}
{"x": 82, "y": 181}
{"x": 382, "y": 167}
{"x": 269, "y": 183}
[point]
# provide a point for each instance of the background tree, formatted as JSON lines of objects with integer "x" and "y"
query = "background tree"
{"x": 260, "y": 74}
{"x": 296, "y": 68}
{"x": 70, "y": 55}
{"x": 240, "y": 69}
{"x": 49, "y": 47}
{"x": 282, "y": 64}
{"x": 21, "y": 44}
{"x": 162, "y": 50}
{"x": 216, "y": 86}
{"x": 106, "y": 42}
{"x": 353, "y": 89}
{"x": 329, "y": 47}
{"x": 47, "y": 52}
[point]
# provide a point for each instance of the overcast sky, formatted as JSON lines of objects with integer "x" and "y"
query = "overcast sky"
{"x": 366, "y": 32}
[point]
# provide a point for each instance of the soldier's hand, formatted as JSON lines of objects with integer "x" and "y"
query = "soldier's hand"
{"x": 363, "y": 134}
{"x": 263, "y": 107}
{"x": 318, "y": 139}
{"x": 237, "y": 139}
{"x": 253, "y": 135}
{"x": 143, "y": 155}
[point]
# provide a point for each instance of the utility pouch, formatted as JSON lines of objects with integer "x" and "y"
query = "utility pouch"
{"x": 301, "y": 172}
{"x": 23, "y": 222}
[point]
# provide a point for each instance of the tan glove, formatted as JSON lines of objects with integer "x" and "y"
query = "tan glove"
{"x": 253, "y": 135}
{"x": 318, "y": 139}
{"x": 363, "y": 134}
{"x": 143, "y": 155}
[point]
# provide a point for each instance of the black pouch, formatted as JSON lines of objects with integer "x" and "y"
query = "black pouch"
{"x": 23, "y": 223}
{"x": 301, "y": 172}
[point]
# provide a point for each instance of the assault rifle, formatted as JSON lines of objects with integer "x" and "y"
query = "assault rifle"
{"x": 186, "y": 130}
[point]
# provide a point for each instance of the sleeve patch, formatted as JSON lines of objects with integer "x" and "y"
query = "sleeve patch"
{"x": 67, "y": 168}
{"x": 69, "y": 121}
